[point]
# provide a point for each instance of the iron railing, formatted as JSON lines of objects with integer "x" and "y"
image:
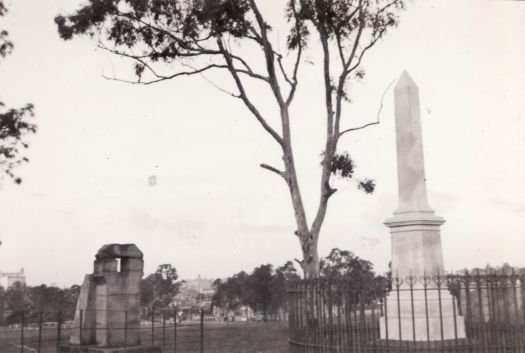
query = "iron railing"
{"x": 455, "y": 313}
{"x": 49, "y": 332}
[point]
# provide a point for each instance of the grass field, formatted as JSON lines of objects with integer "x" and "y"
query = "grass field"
{"x": 237, "y": 337}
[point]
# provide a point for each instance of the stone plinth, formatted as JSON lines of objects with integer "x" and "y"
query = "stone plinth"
{"x": 422, "y": 318}
{"x": 412, "y": 313}
{"x": 416, "y": 245}
{"x": 108, "y": 308}
{"x": 417, "y": 253}
{"x": 390, "y": 346}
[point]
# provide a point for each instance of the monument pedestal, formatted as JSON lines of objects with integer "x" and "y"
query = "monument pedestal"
{"x": 412, "y": 317}
{"x": 413, "y": 313}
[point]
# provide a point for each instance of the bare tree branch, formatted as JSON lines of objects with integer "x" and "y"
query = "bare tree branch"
{"x": 378, "y": 114}
{"x": 273, "y": 169}
{"x": 295, "y": 81}
{"x": 211, "y": 82}
{"x": 163, "y": 78}
{"x": 269, "y": 54}
{"x": 244, "y": 96}
{"x": 283, "y": 71}
{"x": 140, "y": 59}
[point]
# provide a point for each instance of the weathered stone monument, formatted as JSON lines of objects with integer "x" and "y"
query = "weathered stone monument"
{"x": 107, "y": 316}
{"x": 416, "y": 315}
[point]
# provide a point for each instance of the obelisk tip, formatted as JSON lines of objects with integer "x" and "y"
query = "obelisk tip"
{"x": 405, "y": 81}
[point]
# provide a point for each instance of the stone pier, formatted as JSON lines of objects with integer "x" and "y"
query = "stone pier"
{"x": 107, "y": 316}
{"x": 416, "y": 239}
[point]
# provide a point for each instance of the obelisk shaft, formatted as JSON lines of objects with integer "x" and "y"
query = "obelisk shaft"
{"x": 409, "y": 141}
{"x": 416, "y": 241}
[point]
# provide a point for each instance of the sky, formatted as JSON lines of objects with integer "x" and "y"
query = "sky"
{"x": 174, "y": 167}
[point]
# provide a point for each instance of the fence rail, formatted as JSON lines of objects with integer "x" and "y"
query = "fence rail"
{"x": 47, "y": 332}
{"x": 454, "y": 313}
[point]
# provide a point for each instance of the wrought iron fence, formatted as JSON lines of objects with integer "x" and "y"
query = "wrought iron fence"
{"x": 454, "y": 313}
{"x": 50, "y": 332}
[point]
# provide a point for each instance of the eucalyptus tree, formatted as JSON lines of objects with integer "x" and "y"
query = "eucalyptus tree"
{"x": 168, "y": 39}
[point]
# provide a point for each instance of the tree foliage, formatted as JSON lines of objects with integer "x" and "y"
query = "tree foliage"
{"x": 261, "y": 293}
{"x": 350, "y": 273}
{"x": 161, "y": 287}
{"x": 48, "y": 300}
{"x": 343, "y": 264}
{"x": 15, "y": 123}
{"x": 166, "y": 39}
{"x": 263, "y": 290}
{"x": 230, "y": 294}
{"x": 282, "y": 276}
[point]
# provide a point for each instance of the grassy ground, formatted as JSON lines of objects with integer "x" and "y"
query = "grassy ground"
{"x": 237, "y": 337}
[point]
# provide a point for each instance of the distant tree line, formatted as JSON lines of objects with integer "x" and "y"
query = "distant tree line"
{"x": 159, "y": 289}
{"x": 20, "y": 299}
{"x": 264, "y": 290}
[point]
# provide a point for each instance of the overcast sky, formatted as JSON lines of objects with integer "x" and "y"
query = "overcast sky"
{"x": 212, "y": 210}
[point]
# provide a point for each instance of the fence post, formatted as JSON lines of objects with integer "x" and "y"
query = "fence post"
{"x": 163, "y": 328}
{"x": 175, "y": 331}
{"x": 81, "y": 317}
{"x": 40, "y": 320}
{"x": 59, "y": 330}
{"x": 22, "y": 333}
{"x": 202, "y": 330}
{"x": 125, "y": 328}
{"x": 153, "y": 324}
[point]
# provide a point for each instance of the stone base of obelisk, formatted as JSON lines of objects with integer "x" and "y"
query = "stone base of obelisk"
{"x": 459, "y": 345}
{"x": 412, "y": 317}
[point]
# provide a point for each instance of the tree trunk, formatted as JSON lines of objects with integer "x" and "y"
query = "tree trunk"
{"x": 310, "y": 264}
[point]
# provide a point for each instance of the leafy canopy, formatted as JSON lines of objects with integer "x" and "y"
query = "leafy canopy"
{"x": 168, "y": 31}
{"x": 161, "y": 287}
{"x": 14, "y": 123}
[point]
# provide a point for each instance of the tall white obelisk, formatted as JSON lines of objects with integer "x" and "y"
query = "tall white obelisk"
{"x": 416, "y": 238}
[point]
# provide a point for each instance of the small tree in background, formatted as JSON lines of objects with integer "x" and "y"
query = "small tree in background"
{"x": 344, "y": 265}
{"x": 260, "y": 294}
{"x": 2, "y": 305}
{"x": 263, "y": 290}
{"x": 344, "y": 270}
{"x": 50, "y": 300}
{"x": 283, "y": 274}
{"x": 161, "y": 287}
{"x": 18, "y": 302}
{"x": 168, "y": 39}
{"x": 230, "y": 294}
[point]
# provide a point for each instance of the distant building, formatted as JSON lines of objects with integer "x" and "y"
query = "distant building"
{"x": 195, "y": 295}
{"x": 7, "y": 279}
